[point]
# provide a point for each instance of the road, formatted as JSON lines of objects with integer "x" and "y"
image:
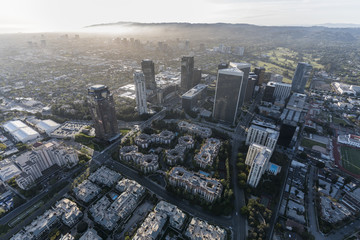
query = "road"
{"x": 37, "y": 213}
{"x": 239, "y": 222}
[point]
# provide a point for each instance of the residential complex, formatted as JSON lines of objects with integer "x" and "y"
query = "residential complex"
{"x": 105, "y": 176}
{"x": 108, "y": 212}
{"x": 208, "y": 152}
{"x": 154, "y": 223}
{"x": 64, "y": 210}
{"x": 258, "y": 167}
{"x": 208, "y": 188}
{"x": 263, "y": 134}
{"x": 146, "y": 162}
{"x": 33, "y": 163}
{"x": 86, "y": 191}
{"x": 144, "y": 140}
{"x": 199, "y": 230}
{"x": 195, "y": 129}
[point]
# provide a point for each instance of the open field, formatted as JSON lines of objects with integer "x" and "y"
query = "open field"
{"x": 310, "y": 143}
{"x": 350, "y": 158}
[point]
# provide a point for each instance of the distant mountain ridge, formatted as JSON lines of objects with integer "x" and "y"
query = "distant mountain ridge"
{"x": 248, "y": 32}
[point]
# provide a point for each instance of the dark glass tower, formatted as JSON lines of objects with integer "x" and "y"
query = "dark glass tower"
{"x": 102, "y": 109}
{"x": 187, "y": 73}
{"x": 260, "y": 72}
{"x": 227, "y": 95}
{"x": 148, "y": 69}
{"x": 301, "y": 76}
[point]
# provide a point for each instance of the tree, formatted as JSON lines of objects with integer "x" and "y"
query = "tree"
{"x": 82, "y": 227}
{"x": 244, "y": 210}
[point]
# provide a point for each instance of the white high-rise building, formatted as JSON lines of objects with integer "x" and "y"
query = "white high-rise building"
{"x": 282, "y": 90}
{"x": 253, "y": 151}
{"x": 258, "y": 167}
{"x": 262, "y": 135}
{"x": 140, "y": 88}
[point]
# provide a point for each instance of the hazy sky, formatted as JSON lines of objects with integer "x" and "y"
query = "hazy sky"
{"x": 57, "y": 15}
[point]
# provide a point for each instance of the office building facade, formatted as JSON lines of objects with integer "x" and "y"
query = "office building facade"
{"x": 140, "y": 90}
{"x": 193, "y": 97}
{"x": 102, "y": 109}
{"x": 301, "y": 76}
{"x": 260, "y": 72}
{"x": 148, "y": 68}
{"x": 227, "y": 95}
{"x": 282, "y": 90}
{"x": 187, "y": 73}
{"x": 245, "y": 68}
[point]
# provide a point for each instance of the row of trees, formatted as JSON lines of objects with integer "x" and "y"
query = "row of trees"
{"x": 258, "y": 217}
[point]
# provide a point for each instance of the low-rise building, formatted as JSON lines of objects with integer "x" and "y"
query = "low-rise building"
{"x": 90, "y": 234}
{"x": 38, "y": 227}
{"x": 208, "y": 188}
{"x": 195, "y": 129}
{"x": 175, "y": 155}
{"x": 199, "y": 230}
{"x": 70, "y": 213}
{"x": 67, "y": 236}
{"x": 208, "y": 152}
{"x": 186, "y": 141}
{"x": 105, "y": 176}
{"x": 176, "y": 216}
{"x": 127, "y": 153}
{"x": 108, "y": 214}
{"x": 146, "y": 162}
{"x": 86, "y": 191}
{"x": 151, "y": 227}
{"x": 144, "y": 140}
{"x": 349, "y": 139}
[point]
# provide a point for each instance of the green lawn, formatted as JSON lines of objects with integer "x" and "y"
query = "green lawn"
{"x": 89, "y": 142}
{"x": 350, "y": 158}
{"x": 339, "y": 121}
{"x": 124, "y": 131}
{"x": 310, "y": 143}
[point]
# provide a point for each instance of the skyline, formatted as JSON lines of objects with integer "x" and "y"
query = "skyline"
{"x": 40, "y": 16}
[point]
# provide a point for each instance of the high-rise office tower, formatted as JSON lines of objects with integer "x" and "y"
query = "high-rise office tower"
{"x": 140, "y": 89}
{"x": 148, "y": 69}
{"x": 196, "y": 77}
{"x": 187, "y": 73}
{"x": 250, "y": 89}
{"x": 260, "y": 71}
{"x": 245, "y": 67}
{"x": 102, "y": 109}
{"x": 268, "y": 95}
{"x": 227, "y": 95}
{"x": 301, "y": 76}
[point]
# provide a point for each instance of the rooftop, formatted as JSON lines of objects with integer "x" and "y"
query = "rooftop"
{"x": 194, "y": 91}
